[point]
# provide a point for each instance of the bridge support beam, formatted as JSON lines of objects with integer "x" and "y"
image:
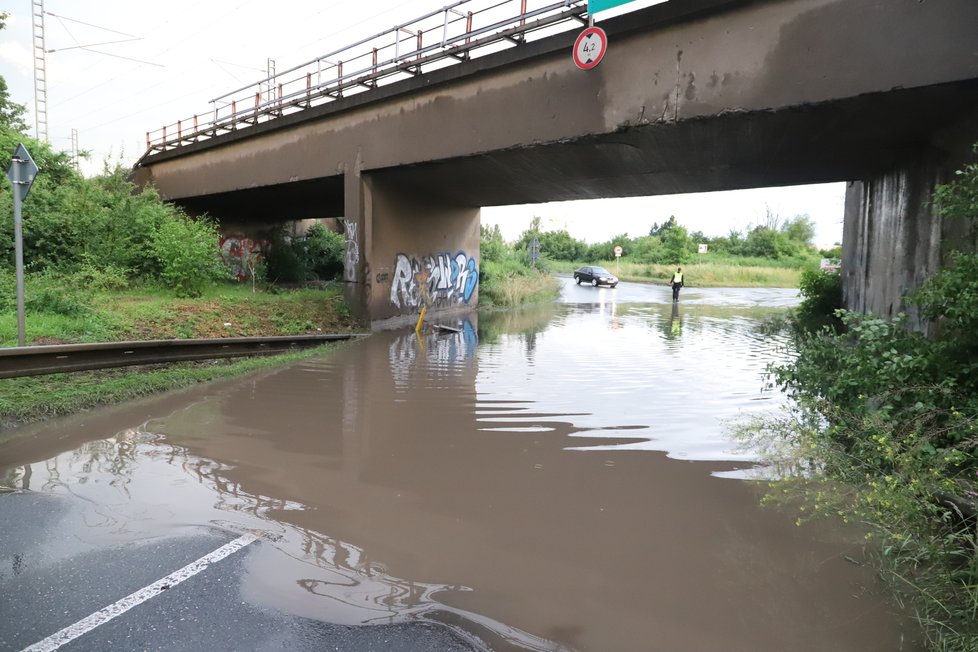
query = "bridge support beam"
{"x": 893, "y": 238}
{"x": 406, "y": 250}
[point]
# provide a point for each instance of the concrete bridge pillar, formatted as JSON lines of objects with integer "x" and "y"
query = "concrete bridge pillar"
{"x": 893, "y": 238}
{"x": 407, "y": 249}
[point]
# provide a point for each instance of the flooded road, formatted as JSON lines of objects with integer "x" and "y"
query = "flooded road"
{"x": 548, "y": 479}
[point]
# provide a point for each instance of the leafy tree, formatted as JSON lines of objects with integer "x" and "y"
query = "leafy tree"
{"x": 730, "y": 244}
{"x": 533, "y": 231}
{"x": 559, "y": 245}
{"x": 325, "y": 251}
{"x": 492, "y": 247}
{"x": 11, "y": 113}
{"x": 765, "y": 242}
{"x": 605, "y": 250}
{"x": 660, "y": 230}
{"x": 53, "y": 166}
{"x": 646, "y": 249}
{"x": 834, "y": 253}
{"x": 676, "y": 244}
{"x": 800, "y": 229}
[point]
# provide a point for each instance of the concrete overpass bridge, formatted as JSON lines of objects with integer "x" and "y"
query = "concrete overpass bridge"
{"x": 692, "y": 96}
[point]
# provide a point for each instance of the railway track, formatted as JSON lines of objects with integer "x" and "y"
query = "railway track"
{"x": 64, "y": 358}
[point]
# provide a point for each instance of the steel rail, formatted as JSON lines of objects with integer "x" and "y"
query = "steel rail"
{"x": 65, "y": 358}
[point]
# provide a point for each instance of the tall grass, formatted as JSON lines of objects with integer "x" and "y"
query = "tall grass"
{"x": 700, "y": 274}
{"x": 508, "y": 283}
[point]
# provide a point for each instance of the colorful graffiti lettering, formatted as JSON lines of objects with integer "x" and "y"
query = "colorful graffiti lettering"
{"x": 436, "y": 280}
{"x": 242, "y": 254}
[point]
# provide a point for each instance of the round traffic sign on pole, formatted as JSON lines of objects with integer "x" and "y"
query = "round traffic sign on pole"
{"x": 589, "y": 48}
{"x": 618, "y": 250}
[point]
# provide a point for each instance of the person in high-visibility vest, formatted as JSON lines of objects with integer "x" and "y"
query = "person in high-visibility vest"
{"x": 677, "y": 282}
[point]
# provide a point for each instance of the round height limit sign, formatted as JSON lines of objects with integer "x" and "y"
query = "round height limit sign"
{"x": 589, "y": 48}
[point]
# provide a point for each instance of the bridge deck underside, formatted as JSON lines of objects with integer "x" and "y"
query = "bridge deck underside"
{"x": 831, "y": 141}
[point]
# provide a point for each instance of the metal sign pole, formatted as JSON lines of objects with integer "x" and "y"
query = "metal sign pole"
{"x": 21, "y": 173}
{"x": 18, "y": 250}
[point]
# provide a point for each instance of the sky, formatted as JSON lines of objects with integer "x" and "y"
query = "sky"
{"x": 116, "y": 69}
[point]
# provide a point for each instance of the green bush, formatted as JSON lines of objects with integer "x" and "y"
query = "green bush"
{"x": 92, "y": 276}
{"x": 44, "y": 292}
{"x": 492, "y": 247}
{"x": 319, "y": 255}
{"x": 188, "y": 253}
{"x": 822, "y": 297}
{"x": 286, "y": 261}
{"x": 765, "y": 242}
{"x": 8, "y": 290}
{"x": 325, "y": 252}
{"x": 102, "y": 221}
{"x": 887, "y": 431}
{"x": 559, "y": 245}
{"x": 506, "y": 277}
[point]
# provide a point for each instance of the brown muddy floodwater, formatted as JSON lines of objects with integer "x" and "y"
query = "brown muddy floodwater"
{"x": 550, "y": 479}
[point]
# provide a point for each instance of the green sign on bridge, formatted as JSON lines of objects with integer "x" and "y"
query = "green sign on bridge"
{"x": 594, "y": 6}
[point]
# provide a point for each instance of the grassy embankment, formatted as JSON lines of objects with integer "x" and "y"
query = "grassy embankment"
{"x": 147, "y": 314}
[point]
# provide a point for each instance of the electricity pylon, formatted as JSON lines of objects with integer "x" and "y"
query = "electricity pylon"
{"x": 40, "y": 74}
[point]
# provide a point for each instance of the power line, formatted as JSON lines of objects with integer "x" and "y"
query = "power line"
{"x": 133, "y": 36}
{"x": 90, "y": 45}
{"x": 172, "y": 44}
{"x": 119, "y": 56}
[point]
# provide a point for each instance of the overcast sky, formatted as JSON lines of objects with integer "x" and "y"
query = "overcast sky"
{"x": 118, "y": 68}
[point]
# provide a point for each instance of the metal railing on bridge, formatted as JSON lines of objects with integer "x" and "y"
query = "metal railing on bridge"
{"x": 458, "y": 32}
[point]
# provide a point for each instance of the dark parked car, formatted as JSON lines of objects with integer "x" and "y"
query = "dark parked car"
{"x": 595, "y": 276}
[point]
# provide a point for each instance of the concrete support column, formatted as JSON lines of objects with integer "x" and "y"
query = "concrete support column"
{"x": 406, "y": 250}
{"x": 356, "y": 217}
{"x": 892, "y": 239}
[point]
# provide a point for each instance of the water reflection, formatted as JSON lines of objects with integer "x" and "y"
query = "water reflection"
{"x": 510, "y": 478}
{"x": 675, "y": 324}
{"x": 671, "y": 374}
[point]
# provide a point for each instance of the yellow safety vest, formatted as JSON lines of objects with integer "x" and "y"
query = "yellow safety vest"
{"x": 677, "y": 278}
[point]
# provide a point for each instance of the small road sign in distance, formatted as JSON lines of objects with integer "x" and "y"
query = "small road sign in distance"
{"x": 590, "y": 47}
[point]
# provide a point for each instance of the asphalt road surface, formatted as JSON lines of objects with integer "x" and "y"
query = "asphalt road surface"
{"x": 177, "y": 593}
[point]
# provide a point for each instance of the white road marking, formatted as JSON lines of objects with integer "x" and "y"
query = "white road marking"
{"x": 103, "y": 616}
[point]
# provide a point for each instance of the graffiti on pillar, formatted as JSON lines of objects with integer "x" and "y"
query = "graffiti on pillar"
{"x": 242, "y": 254}
{"x": 352, "y": 252}
{"x": 437, "y": 280}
